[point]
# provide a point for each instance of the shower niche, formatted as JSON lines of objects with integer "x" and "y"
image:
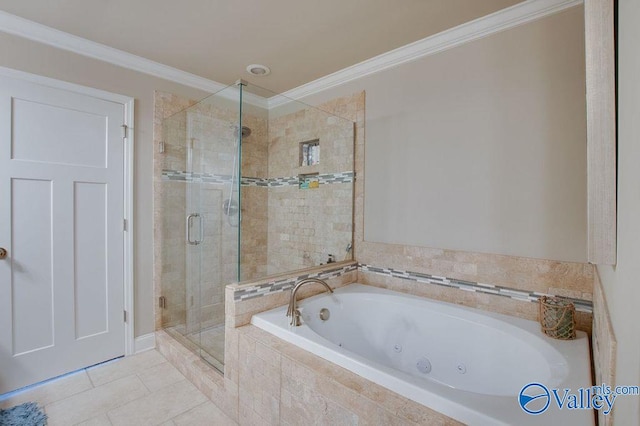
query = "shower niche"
{"x": 228, "y": 205}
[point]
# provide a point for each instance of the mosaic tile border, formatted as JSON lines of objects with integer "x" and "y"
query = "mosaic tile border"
{"x": 327, "y": 178}
{"x": 521, "y": 295}
{"x": 284, "y": 284}
{"x": 277, "y": 286}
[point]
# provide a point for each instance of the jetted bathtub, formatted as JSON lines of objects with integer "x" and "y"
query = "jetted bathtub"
{"x": 465, "y": 363}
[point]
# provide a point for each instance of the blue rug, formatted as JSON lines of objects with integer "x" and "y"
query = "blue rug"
{"x": 27, "y": 414}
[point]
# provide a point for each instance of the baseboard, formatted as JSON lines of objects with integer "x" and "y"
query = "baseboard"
{"x": 144, "y": 343}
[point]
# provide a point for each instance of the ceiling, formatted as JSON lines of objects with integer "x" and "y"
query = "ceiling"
{"x": 300, "y": 40}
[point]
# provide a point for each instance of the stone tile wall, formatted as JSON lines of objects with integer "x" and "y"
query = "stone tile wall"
{"x": 281, "y": 384}
{"x": 306, "y": 225}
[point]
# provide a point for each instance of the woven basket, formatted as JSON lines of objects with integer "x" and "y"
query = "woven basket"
{"x": 557, "y": 318}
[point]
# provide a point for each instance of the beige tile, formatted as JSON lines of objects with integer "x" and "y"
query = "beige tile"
{"x": 203, "y": 414}
{"x": 95, "y": 402}
{"x": 160, "y": 375}
{"x": 158, "y": 406}
{"x": 52, "y": 391}
{"x": 309, "y": 407}
{"x": 101, "y": 420}
{"x": 106, "y": 373}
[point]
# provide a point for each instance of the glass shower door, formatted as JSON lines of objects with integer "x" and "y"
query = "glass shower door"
{"x": 212, "y": 223}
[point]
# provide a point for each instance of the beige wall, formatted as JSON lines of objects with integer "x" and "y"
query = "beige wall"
{"x": 621, "y": 283}
{"x": 28, "y": 56}
{"x": 482, "y": 148}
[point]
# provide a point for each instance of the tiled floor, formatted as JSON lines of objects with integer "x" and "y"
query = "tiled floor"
{"x": 143, "y": 389}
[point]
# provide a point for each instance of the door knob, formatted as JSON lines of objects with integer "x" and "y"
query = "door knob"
{"x": 3, "y": 253}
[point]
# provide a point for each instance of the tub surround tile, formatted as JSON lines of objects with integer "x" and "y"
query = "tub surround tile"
{"x": 312, "y": 390}
{"x": 259, "y": 384}
{"x": 246, "y": 292}
{"x": 243, "y": 301}
{"x": 512, "y": 293}
{"x": 240, "y": 310}
{"x": 531, "y": 275}
{"x": 479, "y": 300}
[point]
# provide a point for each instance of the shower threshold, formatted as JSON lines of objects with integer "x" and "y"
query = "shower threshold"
{"x": 207, "y": 343}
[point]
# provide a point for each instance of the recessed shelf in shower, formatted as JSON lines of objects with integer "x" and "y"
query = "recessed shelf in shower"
{"x": 310, "y": 153}
{"x": 309, "y": 181}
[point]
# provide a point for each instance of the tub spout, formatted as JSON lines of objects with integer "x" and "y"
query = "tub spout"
{"x": 292, "y": 310}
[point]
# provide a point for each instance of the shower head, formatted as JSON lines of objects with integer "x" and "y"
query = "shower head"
{"x": 246, "y": 131}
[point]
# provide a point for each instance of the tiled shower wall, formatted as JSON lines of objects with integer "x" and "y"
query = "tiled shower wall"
{"x": 254, "y": 199}
{"x": 306, "y": 225}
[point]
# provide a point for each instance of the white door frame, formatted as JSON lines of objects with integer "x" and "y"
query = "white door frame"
{"x": 128, "y": 102}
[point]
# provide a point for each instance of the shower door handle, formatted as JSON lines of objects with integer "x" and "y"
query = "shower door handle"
{"x": 189, "y": 226}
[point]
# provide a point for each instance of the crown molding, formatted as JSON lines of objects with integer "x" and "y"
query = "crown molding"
{"x": 42, "y": 34}
{"x": 511, "y": 17}
{"x": 25, "y": 28}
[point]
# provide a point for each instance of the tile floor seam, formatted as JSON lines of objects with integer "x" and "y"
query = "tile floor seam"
{"x": 98, "y": 413}
{"x": 143, "y": 383}
{"x": 182, "y": 408}
{"x": 125, "y": 402}
{"x": 184, "y": 378}
{"x": 192, "y": 408}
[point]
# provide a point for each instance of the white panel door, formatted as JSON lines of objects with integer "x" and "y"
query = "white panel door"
{"x": 61, "y": 223}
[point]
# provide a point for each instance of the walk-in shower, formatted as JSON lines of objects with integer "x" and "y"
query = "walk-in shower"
{"x": 248, "y": 184}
